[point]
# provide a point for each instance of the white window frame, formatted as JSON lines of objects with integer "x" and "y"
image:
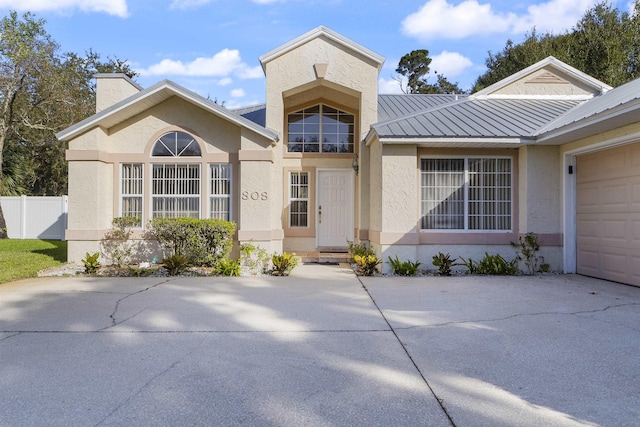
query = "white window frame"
{"x": 466, "y": 202}
{"x": 321, "y": 130}
{"x": 212, "y": 195}
{"x": 174, "y": 195}
{"x": 299, "y": 199}
{"x": 139, "y": 195}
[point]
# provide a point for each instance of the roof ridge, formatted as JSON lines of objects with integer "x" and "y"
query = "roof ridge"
{"x": 417, "y": 113}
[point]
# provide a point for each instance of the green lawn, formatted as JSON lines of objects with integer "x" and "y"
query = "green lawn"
{"x": 20, "y": 259}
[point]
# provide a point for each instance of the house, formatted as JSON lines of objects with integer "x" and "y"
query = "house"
{"x": 328, "y": 160}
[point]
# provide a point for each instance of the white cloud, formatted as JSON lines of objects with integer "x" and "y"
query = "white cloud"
{"x": 225, "y": 81}
{"x": 111, "y": 7}
{"x": 237, "y": 93}
{"x": 450, "y": 64}
{"x": 389, "y": 86}
{"x": 439, "y": 19}
{"x": 222, "y": 64}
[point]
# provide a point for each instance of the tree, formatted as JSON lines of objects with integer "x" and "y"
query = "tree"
{"x": 415, "y": 67}
{"x": 604, "y": 43}
{"x": 41, "y": 93}
{"x": 26, "y": 51}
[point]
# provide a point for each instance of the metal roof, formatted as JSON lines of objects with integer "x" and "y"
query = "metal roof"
{"x": 608, "y": 103}
{"x": 255, "y": 113}
{"x": 478, "y": 118}
{"x": 395, "y": 106}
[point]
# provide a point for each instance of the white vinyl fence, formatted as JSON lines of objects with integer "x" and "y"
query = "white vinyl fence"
{"x": 35, "y": 217}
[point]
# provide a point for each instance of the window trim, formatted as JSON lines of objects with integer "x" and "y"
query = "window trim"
{"x": 466, "y": 195}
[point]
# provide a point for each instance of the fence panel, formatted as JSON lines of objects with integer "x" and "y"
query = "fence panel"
{"x": 35, "y": 217}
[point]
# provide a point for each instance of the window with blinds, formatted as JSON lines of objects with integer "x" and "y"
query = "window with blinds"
{"x": 131, "y": 179}
{"x": 466, "y": 194}
{"x": 299, "y": 199}
{"x": 220, "y": 191}
{"x": 175, "y": 190}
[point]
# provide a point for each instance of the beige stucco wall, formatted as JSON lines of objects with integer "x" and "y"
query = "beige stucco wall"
{"x": 113, "y": 88}
{"x": 538, "y": 83}
{"x": 540, "y": 183}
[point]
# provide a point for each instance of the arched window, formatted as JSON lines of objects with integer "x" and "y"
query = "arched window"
{"x": 176, "y": 144}
{"x": 320, "y": 129}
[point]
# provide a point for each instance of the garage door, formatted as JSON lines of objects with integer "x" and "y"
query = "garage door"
{"x": 608, "y": 214}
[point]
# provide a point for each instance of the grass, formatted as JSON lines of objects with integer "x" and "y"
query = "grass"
{"x": 21, "y": 259}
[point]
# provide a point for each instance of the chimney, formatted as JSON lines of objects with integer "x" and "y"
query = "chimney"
{"x": 113, "y": 88}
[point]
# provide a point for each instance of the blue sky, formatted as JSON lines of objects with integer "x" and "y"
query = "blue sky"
{"x": 212, "y": 46}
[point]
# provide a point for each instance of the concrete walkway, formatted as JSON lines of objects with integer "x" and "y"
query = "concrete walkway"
{"x": 319, "y": 348}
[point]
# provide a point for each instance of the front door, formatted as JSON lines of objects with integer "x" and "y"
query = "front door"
{"x": 334, "y": 208}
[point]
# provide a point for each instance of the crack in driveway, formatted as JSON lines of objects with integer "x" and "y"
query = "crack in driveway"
{"x": 114, "y": 322}
{"x": 513, "y": 316}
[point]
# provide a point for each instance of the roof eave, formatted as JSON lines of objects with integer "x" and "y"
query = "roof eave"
{"x": 173, "y": 89}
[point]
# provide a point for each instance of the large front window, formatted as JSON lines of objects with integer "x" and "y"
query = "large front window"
{"x": 320, "y": 129}
{"x": 466, "y": 194}
{"x": 176, "y": 190}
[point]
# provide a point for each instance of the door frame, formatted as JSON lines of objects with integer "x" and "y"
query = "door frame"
{"x": 350, "y": 207}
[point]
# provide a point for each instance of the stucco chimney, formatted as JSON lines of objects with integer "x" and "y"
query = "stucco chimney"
{"x": 113, "y": 88}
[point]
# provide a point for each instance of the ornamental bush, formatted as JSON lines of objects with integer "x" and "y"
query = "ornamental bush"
{"x": 204, "y": 242}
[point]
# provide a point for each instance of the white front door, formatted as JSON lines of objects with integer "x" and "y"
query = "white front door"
{"x": 334, "y": 208}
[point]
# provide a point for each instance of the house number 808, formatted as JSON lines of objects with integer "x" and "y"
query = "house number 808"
{"x": 254, "y": 195}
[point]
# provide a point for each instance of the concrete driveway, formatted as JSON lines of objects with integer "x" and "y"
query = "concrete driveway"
{"x": 320, "y": 348}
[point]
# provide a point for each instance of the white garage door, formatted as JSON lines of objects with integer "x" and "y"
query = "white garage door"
{"x": 608, "y": 214}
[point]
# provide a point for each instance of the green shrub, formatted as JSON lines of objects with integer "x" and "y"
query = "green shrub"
{"x": 228, "y": 267}
{"x": 444, "y": 263}
{"x": 283, "y": 264}
{"x": 360, "y": 249}
{"x": 254, "y": 259}
{"x": 115, "y": 244}
{"x": 91, "y": 263}
{"x": 202, "y": 241}
{"x": 366, "y": 265}
{"x": 175, "y": 264}
{"x": 497, "y": 265}
{"x": 526, "y": 250}
{"x": 404, "y": 268}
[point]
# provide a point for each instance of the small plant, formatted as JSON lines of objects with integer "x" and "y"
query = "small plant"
{"x": 175, "y": 264}
{"x": 140, "y": 272}
{"x": 366, "y": 265}
{"x": 497, "y": 265}
{"x": 360, "y": 249}
{"x": 444, "y": 263}
{"x": 228, "y": 267}
{"x": 526, "y": 250}
{"x": 283, "y": 264}
{"x": 254, "y": 260}
{"x": 91, "y": 263}
{"x": 545, "y": 268}
{"x": 404, "y": 268}
{"x": 471, "y": 265}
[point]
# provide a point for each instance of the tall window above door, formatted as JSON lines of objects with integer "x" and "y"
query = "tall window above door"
{"x": 320, "y": 129}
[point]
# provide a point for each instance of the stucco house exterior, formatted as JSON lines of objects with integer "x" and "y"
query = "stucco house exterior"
{"x": 328, "y": 160}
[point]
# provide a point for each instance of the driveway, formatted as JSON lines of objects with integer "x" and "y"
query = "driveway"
{"x": 320, "y": 348}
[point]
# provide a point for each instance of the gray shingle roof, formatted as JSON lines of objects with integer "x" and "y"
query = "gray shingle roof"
{"x": 488, "y": 118}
